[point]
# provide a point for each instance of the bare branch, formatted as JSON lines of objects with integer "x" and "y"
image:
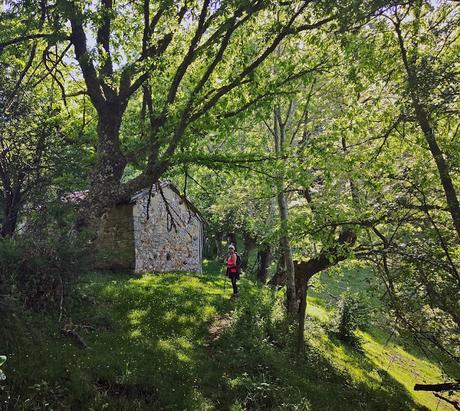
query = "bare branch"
{"x": 24, "y": 38}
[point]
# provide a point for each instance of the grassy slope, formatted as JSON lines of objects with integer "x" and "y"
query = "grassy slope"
{"x": 382, "y": 350}
{"x": 150, "y": 349}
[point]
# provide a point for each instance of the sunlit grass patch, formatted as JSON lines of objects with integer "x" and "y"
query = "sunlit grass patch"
{"x": 318, "y": 312}
{"x": 150, "y": 348}
{"x": 378, "y": 363}
{"x": 405, "y": 368}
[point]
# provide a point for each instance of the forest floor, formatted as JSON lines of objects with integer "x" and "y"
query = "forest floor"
{"x": 177, "y": 341}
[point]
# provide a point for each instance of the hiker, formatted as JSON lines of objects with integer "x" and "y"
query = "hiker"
{"x": 233, "y": 268}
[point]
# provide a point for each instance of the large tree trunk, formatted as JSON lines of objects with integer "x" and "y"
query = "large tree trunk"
{"x": 110, "y": 106}
{"x": 109, "y": 167}
{"x": 110, "y": 163}
{"x": 263, "y": 261}
{"x": 305, "y": 270}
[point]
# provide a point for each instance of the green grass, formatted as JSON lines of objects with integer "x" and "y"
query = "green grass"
{"x": 383, "y": 354}
{"x": 149, "y": 348}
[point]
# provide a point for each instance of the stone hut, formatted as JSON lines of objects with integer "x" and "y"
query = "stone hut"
{"x": 158, "y": 230}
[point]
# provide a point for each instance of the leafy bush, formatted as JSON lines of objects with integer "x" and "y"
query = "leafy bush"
{"x": 352, "y": 314}
{"x": 41, "y": 269}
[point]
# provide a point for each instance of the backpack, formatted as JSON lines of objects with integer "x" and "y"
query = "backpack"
{"x": 238, "y": 263}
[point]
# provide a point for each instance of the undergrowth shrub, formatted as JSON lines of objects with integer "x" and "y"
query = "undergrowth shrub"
{"x": 263, "y": 335}
{"x": 262, "y": 318}
{"x": 39, "y": 270}
{"x": 351, "y": 315}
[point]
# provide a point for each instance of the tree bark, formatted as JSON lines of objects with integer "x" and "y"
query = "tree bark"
{"x": 279, "y": 133}
{"x": 12, "y": 182}
{"x": 107, "y": 172}
{"x": 292, "y": 304}
{"x": 263, "y": 261}
{"x": 110, "y": 163}
{"x": 302, "y": 291}
{"x": 11, "y": 205}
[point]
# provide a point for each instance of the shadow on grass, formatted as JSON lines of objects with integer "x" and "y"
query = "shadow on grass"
{"x": 150, "y": 349}
{"x": 157, "y": 324}
{"x": 252, "y": 370}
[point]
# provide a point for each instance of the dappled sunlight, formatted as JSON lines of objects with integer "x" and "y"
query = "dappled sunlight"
{"x": 381, "y": 366}
{"x": 317, "y": 312}
{"x": 136, "y": 316}
{"x": 403, "y": 367}
{"x": 178, "y": 341}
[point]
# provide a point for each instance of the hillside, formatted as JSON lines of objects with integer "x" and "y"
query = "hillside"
{"x": 176, "y": 341}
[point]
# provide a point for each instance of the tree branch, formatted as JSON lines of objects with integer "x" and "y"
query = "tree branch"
{"x": 27, "y": 37}
{"x": 448, "y": 386}
{"x": 78, "y": 39}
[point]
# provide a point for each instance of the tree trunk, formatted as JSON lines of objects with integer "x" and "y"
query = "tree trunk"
{"x": 441, "y": 164}
{"x": 263, "y": 261}
{"x": 292, "y": 304}
{"x": 11, "y": 204}
{"x": 424, "y": 123}
{"x": 10, "y": 219}
{"x": 279, "y": 134}
{"x": 305, "y": 270}
{"x": 302, "y": 295}
{"x": 249, "y": 245}
{"x": 109, "y": 167}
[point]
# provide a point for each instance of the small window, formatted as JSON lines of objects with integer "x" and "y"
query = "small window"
{"x": 168, "y": 257}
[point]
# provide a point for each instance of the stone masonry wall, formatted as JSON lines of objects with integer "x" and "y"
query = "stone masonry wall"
{"x": 116, "y": 239}
{"x": 158, "y": 247}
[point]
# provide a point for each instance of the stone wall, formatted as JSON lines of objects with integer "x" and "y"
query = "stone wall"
{"x": 158, "y": 247}
{"x": 115, "y": 244}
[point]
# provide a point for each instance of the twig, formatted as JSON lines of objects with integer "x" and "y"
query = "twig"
{"x": 455, "y": 404}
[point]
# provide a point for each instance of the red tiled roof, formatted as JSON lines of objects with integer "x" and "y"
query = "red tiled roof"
{"x": 75, "y": 197}
{"x": 79, "y": 196}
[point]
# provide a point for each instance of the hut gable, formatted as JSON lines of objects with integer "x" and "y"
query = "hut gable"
{"x": 169, "y": 236}
{"x": 159, "y": 230}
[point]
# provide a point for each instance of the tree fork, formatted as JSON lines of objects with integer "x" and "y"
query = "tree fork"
{"x": 304, "y": 271}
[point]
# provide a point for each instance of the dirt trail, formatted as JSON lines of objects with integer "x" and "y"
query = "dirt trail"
{"x": 219, "y": 325}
